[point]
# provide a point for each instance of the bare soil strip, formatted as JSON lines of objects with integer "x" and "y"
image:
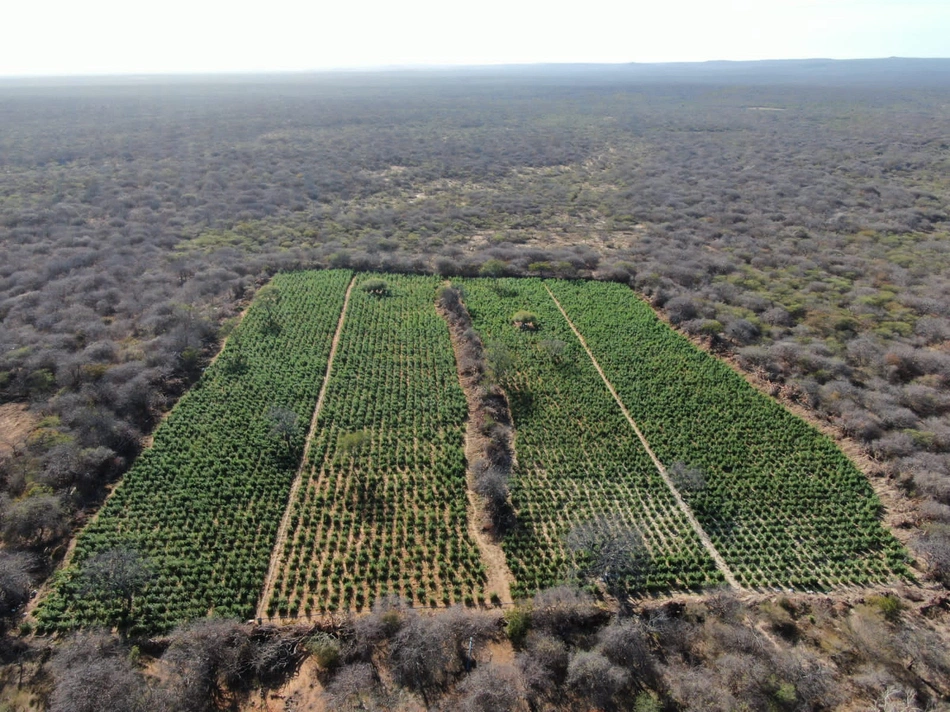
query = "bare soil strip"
{"x": 16, "y": 424}
{"x": 703, "y": 536}
{"x": 493, "y": 556}
{"x": 304, "y": 459}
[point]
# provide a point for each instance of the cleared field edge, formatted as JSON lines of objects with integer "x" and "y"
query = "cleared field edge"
{"x": 275, "y": 559}
{"x": 681, "y": 503}
{"x": 493, "y": 556}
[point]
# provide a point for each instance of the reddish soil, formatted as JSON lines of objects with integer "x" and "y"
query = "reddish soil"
{"x": 16, "y": 424}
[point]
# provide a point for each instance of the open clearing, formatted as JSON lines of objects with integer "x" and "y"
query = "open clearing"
{"x": 16, "y": 424}
{"x": 609, "y": 406}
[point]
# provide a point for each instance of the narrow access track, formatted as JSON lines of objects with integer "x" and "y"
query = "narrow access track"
{"x": 684, "y": 507}
{"x": 274, "y": 567}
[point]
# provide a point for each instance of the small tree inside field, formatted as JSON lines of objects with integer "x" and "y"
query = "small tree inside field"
{"x": 376, "y": 287}
{"x": 686, "y": 479}
{"x": 525, "y": 320}
{"x": 116, "y": 576}
{"x": 269, "y": 303}
{"x": 349, "y": 443}
{"x": 609, "y": 550}
{"x": 554, "y": 349}
{"x": 499, "y": 364}
{"x": 284, "y": 425}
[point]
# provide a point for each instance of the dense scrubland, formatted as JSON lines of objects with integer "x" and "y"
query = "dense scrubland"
{"x": 798, "y": 226}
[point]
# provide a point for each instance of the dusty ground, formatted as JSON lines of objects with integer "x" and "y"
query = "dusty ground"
{"x": 303, "y": 693}
{"x": 16, "y": 424}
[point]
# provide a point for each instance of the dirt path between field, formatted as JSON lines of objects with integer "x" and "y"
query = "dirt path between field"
{"x": 493, "y": 557}
{"x": 691, "y": 518}
{"x": 275, "y": 556}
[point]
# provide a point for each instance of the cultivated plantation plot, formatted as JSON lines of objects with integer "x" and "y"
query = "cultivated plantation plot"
{"x": 383, "y": 506}
{"x": 782, "y": 504}
{"x": 201, "y": 507}
{"x": 630, "y": 443}
{"x": 578, "y": 459}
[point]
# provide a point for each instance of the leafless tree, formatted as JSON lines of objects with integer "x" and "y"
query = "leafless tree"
{"x": 15, "y": 582}
{"x": 594, "y": 678}
{"x": 609, "y": 550}
{"x": 92, "y": 672}
{"x": 491, "y": 688}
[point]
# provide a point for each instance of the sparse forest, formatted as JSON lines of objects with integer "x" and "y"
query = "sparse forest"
{"x": 792, "y": 219}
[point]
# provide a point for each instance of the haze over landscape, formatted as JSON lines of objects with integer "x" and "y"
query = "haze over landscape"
{"x": 113, "y": 37}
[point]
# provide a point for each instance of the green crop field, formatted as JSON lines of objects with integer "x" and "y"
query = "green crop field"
{"x": 577, "y": 456}
{"x": 383, "y": 508}
{"x": 215, "y": 516}
{"x": 783, "y": 505}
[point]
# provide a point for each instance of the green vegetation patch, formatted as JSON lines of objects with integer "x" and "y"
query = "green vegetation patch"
{"x": 579, "y": 462}
{"x": 384, "y": 510}
{"x": 782, "y": 504}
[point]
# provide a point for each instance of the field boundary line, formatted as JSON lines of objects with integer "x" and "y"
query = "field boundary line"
{"x": 684, "y": 507}
{"x": 274, "y": 565}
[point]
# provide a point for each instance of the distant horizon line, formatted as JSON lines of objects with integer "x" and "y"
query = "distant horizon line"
{"x": 417, "y": 67}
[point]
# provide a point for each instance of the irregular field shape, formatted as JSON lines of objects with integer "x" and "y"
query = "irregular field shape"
{"x": 577, "y": 457}
{"x": 782, "y": 504}
{"x": 389, "y": 516}
{"x": 205, "y": 501}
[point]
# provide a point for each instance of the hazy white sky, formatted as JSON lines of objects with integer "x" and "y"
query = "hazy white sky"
{"x": 129, "y": 36}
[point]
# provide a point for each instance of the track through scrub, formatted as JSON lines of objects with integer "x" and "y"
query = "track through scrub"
{"x": 498, "y": 574}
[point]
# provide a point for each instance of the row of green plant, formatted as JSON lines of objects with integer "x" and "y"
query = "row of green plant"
{"x": 198, "y": 513}
{"x": 383, "y": 509}
{"x": 577, "y": 458}
{"x": 778, "y": 498}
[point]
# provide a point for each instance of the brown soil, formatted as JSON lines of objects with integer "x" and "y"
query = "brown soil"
{"x": 303, "y": 692}
{"x": 304, "y": 460}
{"x": 493, "y": 557}
{"x": 16, "y": 424}
{"x": 685, "y": 508}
